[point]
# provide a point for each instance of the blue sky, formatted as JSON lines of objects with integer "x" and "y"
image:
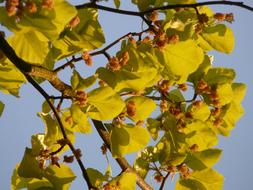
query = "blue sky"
{"x": 19, "y": 120}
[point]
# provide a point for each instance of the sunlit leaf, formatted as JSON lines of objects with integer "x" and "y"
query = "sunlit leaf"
{"x": 124, "y": 139}
{"x": 106, "y": 103}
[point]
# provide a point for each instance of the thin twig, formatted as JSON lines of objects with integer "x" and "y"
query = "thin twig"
{"x": 167, "y": 7}
{"x": 164, "y": 180}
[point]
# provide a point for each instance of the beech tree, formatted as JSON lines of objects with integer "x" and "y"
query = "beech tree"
{"x": 136, "y": 100}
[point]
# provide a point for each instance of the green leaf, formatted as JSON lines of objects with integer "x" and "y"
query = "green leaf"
{"x": 1, "y": 108}
{"x": 80, "y": 119}
{"x": 117, "y": 3}
{"x": 201, "y": 112}
{"x": 174, "y": 59}
{"x": 53, "y": 133}
{"x": 126, "y": 181}
{"x": 124, "y": 139}
{"x": 86, "y": 36}
{"x": 126, "y": 80}
{"x": 209, "y": 178}
{"x": 29, "y": 166}
{"x": 239, "y": 91}
{"x": 201, "y": 134}
{"x": 39, "y": 184}
{"x": 231, "y": 114}
{"x": 106, "y": 104}
{"x": 219, "y": 75}
{"x": 79, "y": 83}
{"x": 18, "y": 182}
{"x": 189, "y": 184}
{"x": 203, "y": 159}
{"x": 225, "y": 93}
{"x": 50, "y": 22}
{"x": 60, "y": 177}
{"x": 96, "y": 177}
{"x": 31, "y": 46}
{"x": 153, "y": 127}
{"x": 38, "y": 145}
{"x": 206, "y": 179}
{"x": 144, "y": 107}
{"x": 219, "y": 37}
{"x": 11, "y": 79}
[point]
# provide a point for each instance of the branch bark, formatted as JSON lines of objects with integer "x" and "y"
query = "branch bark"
{"x": 125, "y": 166}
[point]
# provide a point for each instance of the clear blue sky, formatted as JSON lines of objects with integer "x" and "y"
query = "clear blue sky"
{"x": 19, "y": 120}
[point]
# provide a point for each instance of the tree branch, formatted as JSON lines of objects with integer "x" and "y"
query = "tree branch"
{"x": 121, "y": 161}
{"x": 140, "y": 14}
{"x": 26, "y": 68}
{"x": 164, "y": 180}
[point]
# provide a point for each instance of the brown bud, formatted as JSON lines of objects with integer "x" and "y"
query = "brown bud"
{"x": 101, "y": 83}
{"x": 230, "y": 17}
{"x": 78, "y": 153}
{"x": 201, "y": 85}
{"x": 197, "y": 103}
{"x": 68, "y": 159}
{"x": 131, "y": 108}
{"x": 218, "y": 122}
{"x": 194, "y": 148}
{"x": 132, "y": 40}
{"x": 103, "y": 149}
{"x": 173, "y": 39}
{"x": 114, "y": 64}
{"x": 54, "y": 161}
{"x": 216, "y": 112}
{"x": 219, "y": 16}
{"x": 198, "y": 28}
{"x": 124, "y": 58}
{"x": 163, "y": 106}
{"x": 87, "y": 58}
{"x": 47, "y": 4}
{"x": 203, "y": 18}
{"x": 183, "y": 87}
{"x": 158, "y": 178}
{"x": 164, "y": 86}
{"x": 154, "y": 16}
{"x": 184, "y": 170}
{"x": 74, "y": 22}
{"x": 31, "y": 7}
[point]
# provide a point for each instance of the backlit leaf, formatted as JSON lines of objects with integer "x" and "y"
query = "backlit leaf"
{"x": 124, "y": 139}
